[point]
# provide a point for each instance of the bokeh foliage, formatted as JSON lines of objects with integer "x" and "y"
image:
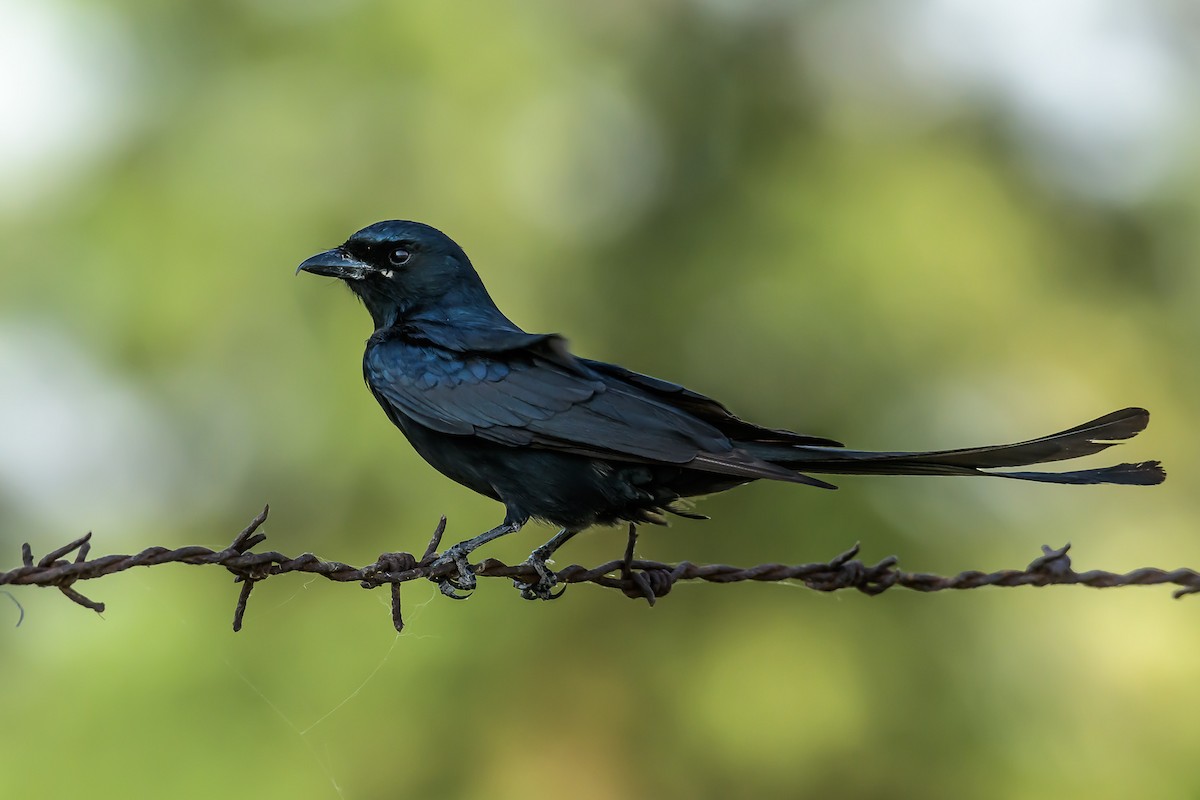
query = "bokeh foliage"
{"x": 676, "y": 187}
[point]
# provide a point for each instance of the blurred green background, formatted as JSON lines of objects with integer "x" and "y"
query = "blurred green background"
{"x": 903, "y": 225}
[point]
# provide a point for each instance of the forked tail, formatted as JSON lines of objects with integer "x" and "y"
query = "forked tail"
{"x": 1082, "y": 440}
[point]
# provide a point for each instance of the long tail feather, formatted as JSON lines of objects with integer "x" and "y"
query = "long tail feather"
{"x": 1082, "y": 440}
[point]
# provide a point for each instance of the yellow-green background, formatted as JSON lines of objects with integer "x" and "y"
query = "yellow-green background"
{"x": 754, "y": 200}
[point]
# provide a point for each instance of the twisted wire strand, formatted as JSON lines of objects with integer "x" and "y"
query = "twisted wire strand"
{"x": 636, "y": 578}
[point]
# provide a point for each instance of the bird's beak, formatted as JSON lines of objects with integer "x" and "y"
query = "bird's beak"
{"x": 336, "y": 263}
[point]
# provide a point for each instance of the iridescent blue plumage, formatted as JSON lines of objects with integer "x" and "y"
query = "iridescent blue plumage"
{"x": 515, "y": 416}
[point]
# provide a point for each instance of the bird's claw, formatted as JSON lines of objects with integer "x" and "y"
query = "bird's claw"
{"x": 451, "y": 589}
{"x": 542, "y": 588}
{"x": 450, "y": 585}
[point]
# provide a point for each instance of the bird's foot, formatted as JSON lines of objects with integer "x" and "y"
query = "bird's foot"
{"x": 543, "y": 587}
{"x": 453, "y": 583}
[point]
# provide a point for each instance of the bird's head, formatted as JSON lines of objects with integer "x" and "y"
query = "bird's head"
{"x": 403, "y": 270}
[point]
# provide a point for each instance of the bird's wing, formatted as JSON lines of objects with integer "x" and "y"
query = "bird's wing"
{"x": 707, "y": 409}
{"x": 537, "y": 395}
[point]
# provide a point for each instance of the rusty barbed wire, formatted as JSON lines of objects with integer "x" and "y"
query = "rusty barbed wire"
{"x": 638, "y": 579}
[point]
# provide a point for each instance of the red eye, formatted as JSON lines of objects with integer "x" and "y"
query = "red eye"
{"x": 399, "y": 257}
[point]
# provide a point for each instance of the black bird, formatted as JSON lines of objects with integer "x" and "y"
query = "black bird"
{"x": 575, "y": 442}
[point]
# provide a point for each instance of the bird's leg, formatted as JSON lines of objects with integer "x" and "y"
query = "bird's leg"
{"x": 464, "y": 581}
{"x": 541, "y": 588}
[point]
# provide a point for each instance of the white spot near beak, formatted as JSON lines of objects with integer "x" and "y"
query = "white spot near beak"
{"x": 387, "y": 273}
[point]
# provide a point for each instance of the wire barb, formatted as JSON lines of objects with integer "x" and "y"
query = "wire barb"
{"x": 638, "y": 579}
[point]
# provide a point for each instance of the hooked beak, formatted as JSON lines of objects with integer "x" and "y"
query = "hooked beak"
{"x": 336, "y": 263}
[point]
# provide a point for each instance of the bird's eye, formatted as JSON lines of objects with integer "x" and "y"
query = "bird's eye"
{"x": 399, "y": 257}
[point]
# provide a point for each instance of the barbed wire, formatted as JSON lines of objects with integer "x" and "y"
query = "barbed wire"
{"x": 636, "y": 578}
